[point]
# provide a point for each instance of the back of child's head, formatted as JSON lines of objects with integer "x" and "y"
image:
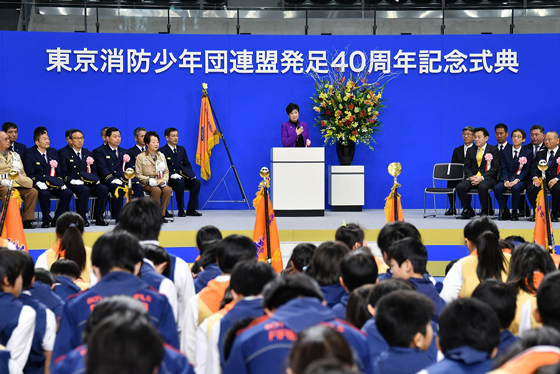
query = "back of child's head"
{"x": 284, "y": 288}
{"x": 142, "y": 218}
{"x": 249, "y": 277}
{"x": 116, "y": 249}
{"x": 387, "y": 286}
{"x": 515, "y": 239}
{"x": 65, "y": 267}
{"x": 548, "y": 302}
{"x": 301, "y": 256}
{"x": 350, "y": 234}
{"x": 527, "y": 259}
{"x": 325, "y": 263}
{"x": 70, "y": 228}
{"x": 410, "y": 249}
{"x": 27, "y": 269}
{"x": 400, "y": 315}
{"x": 329, "y": 366}
{"x": 316, "y": 343}
{"x": 231, "y": 334}
{"x": 358, "y": 268}
{"x": 530, "y": 338}
{"x": 490, "y": 256}
{"x": 158, "y": 255}
{"x": 11, "y": 267}
{"x": 233, "y": 249}
{"x": 468, "y": 322}
{"x": 450, "y": 265}
{"x": 500, "y": 297}
{"x": 44, "y": 276}
{"x": 357, "y": 312}
{"x": 207, "y": 257}
{"x": 477, "y": 226}
{"x": 394, "y": 231}
{"x": 205, "y": 235}
{"x": 506, "y": 244}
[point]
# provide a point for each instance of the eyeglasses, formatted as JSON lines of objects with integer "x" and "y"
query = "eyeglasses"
{"x": 517, "y": 137}
{"x": 80, "y": 138}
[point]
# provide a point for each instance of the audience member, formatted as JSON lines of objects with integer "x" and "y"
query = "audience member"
{"x": 357, "y": 313}
{"x": 67, "y": 274}
{"x": 11, "y": 129}
{"x": 139, "y": 145}
{"x": 300, "y": 258}
{"x": 325, "y": 269}
{"x": 354, "y": 237}
{"x": 389, "y": 234}
{"x": 42, "y": 290}
{"x": 207, "y": 238}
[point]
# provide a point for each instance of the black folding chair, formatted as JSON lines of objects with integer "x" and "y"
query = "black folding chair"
{"x": 443, "y": 172}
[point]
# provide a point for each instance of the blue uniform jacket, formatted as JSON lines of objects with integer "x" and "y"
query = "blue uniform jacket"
{"x": 376, "y": 342}
{"x": 426, "y": 287}
{"x": 39, "y": 170}
{"x": 4, "y": 361}
{"x": 339, "y": 309}
{"x": 73, "y": 168}
{"x": 174, "y": 362}
{"x": 64, "y": 287}
{"x": 78, "y": 308}
{"x": 151, "y": 276}
{"x": 401, "y": 360}
{"x": 210, "y": 272}
{"x": 266, "y": 346}
{"x": 508, "y": 167}
{"x": 10, "y": 309}
{"x": 45, "y": 295}
{"x": 178, "y": 164}
{"x": 506, "y": 340}
{"x": 109, "y": 166}
{"x": 462, "y": 360}
{"x": 384, "y": 276}
{"x": 333, "y": 294}
{"x": 36, "y": 361}
{"x": 19, "y": 148}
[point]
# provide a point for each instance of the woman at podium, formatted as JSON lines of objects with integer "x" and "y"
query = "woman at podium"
{"x": 294, "y": 133}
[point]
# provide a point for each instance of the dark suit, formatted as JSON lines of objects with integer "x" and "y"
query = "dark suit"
{"x": 509, "y": 172}
{"x": 530, "y": 148}
{"x": 458, "y": 157}
{"x": 551, "y": 173}
{"x": 72, "y": 167}
{"x": 40, "y": 171}
{"x": 21, "y": 149}
{"x": 472, "y": 168}
{"x": 178, "y": 163}
{"x": 134, "y": 152}
{"x": 110, "y": 168}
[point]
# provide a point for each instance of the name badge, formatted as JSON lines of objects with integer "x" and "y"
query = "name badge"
{"x": 38, "y": 163}
{"x": 169, "y": 158}
{"x": 71, "y": 160}
{"x": 107, "y": 156}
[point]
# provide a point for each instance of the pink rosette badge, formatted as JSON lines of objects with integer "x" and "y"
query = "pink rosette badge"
{"x": 522, "y": 162}
{"x": 558, "y": 163}
{"x": 488, "y": 159}
{"x": 125, "y": 158}
{"x": 89, "y": 162}
{"x": 53, "y": 165}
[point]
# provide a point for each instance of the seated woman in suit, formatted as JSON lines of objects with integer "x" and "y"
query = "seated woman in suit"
{"x": 152, "y": 172}
{"x": 294, "y": 133}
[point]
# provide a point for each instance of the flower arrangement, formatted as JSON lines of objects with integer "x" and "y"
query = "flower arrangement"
{"x": 348, "y": 107}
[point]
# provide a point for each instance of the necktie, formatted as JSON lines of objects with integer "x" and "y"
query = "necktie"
{"x": 535, "y": 150}
{"x": 501, "y": 147}
{"x": 175, "y": 150}
{"x": 46, "y": 159}
{"x": 116, "y": 153}
{"x": 515, "y": 156}
{"x": 13, "y": 148}
{"x": 80, "y": 155}
{"x": 479, "y": 159}
{"x": 143, "y": 148}
{"x": 550, "y": 158}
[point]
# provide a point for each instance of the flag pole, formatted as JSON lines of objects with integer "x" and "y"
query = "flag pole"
{"x": 395, "y": 169}
{"x": 12, "y": 175}
{"x": 543, "y": 166}
{"x": 265, "y": 173}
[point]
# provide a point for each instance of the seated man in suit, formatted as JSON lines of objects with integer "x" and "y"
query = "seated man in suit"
{"x": 139, "y": 146}
{"x": 482, "y": 164}
{"x": 502, "y": 133}
{"x": 11, "y": 160}
{"x": 551, "y": 155}
{"x": 458, "y": 157}
{"x": 537, "y": 140}
{"x": 112, "y": 161}
{"x": 181, "y": 175}
{"x": 79, "y": 171}
{"x": 42, "y": 165}
{"x": 11, "y": 129}
{"x": 515, "y": 174}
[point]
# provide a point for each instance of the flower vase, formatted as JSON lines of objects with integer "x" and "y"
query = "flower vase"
{"x": 345, "y": 153}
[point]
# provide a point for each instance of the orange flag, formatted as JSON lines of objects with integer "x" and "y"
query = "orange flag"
{"x": 390, "y": 206}
{"x": 539, "y": 234}
{"x": 259, "y": 233}
{"x": 208, "y": 137}
{"x": 13, "y": 226}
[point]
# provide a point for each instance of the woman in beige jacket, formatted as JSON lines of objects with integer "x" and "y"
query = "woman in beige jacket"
{"x": 152, "y": 171}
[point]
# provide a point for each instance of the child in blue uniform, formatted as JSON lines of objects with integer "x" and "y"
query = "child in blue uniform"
{"x": 292, "y": 303}
{"x": 325, "y": 269}
{"x": 66, "y": 272}
{"x": 404, "y": 320}
{"x": 389, "y": 234}
{"x": 500, "y": 297}
{"x": 116, "y": 258}
{"x": 205, "y": 267}
{"x": 41, "y": 290}
{"x": 469, "y": 335}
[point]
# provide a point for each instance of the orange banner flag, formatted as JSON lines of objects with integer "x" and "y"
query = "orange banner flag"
{"x": 539, "y": 234}
{"x": 13, "y": 226}
{"x": 259, "y": 233}
{"x": 208, "y": 137}
{"x": 390, "y": 206}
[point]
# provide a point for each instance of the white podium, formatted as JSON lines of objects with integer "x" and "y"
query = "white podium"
{"x": 346, "y": 187}
{"x": 298, "y": 181}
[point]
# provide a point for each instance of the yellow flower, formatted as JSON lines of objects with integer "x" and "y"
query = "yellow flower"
{"x": 317, "y": 109}
{"x": 345, "y": 98}
{"x": 356, "y": 110}
{"x": 340, "y": 106}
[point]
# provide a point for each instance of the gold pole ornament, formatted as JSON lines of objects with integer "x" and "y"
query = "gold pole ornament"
{"x": 204, "y": 89}
{"x": 395, "y": 169}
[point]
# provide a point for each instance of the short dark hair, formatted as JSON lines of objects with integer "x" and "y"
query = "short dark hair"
{"x": 27, "y": 268}
{"x": 484, "y": 131}
{"x": 207, "y": 257}
{"x": 357, "y": 312}
{"x": 104, "y": 131}
{"x": 288, "y": 287}
{"x": 350, "y": 234}
{"x": 75, "y": 131}
{"x": 468, "y": 128}
{"x": 477, "y": 226}
{"x": 412, "y": 250}
{"x": 249, "y": 277}
{"x": 400, "y": 315}
{"x": 137, "y": 131}
{"x": 44, "y": 276}
{"x": 68, "y": 133}
{"x": 358, "y": 268}
{"x": 149, "y": 135}
{"x": 41, "y": 130}
{"x": 394, "y": 231}
{"x": 516, "y": 239}
{"x": 526, "y": 259}
{"x": 387, "y": 286}
{"x": 8, "y": 125}
{"x": 501, "y": 126}
{"x": 325, "y": 263}
{"x": 537, "y": 127}
{"x": 11, "y": 266}
{"x": 116, "y": 249}
{"x": 142, "y": 218}
{"x": 205, "y": 235}
{"x": 468, "y": 322}
{"x": 111, "y": 130}
{"x": 548, "y": 302}
{"x": 291, "y": 107}
{"x": 70, "y": 228}
{"x": 450, "y": 265}
{"x": 522, "y": 132}
{"x": 158, "y": 255}
{"x": 500, "y": 297}
{"x": 328, "y": 366}
{"x": 232, "y": 249}
{"x": 169, "y": 130}
{"x": 231, "y": 334}
{"x": 301, "y": 256}
{"x": 66, "y": 268}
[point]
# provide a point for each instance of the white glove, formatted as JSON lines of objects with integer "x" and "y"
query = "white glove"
{"x": 117, "y": 181}
{"x": 5, "y": 182}
{"x": 77, "y": 182}
{"x": 175, "y": 176}
{"x": 41, "y": 185}
{"x": 152, "y": 182}
{"x": 63, "y": 187}
{"x": 97, "y": 182}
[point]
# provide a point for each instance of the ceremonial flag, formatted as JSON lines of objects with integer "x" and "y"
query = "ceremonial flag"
{"x": 13, "y": 226}
{"x": 259, "y": 233}
{"x": 208, "y": 136}
{"x": 539, "y": 234}
{"x": 390, "y": 205}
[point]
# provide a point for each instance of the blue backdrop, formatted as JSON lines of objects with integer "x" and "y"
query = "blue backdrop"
{"x": 421, "y": 124}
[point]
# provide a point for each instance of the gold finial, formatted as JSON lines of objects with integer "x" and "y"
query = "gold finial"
{"x": 264, "y": 172}
{"x": 13, "y": 174}
{"x": 395, "y": 169}
{"x": 543, "y": 166}
{"x": 129, "y": 173}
